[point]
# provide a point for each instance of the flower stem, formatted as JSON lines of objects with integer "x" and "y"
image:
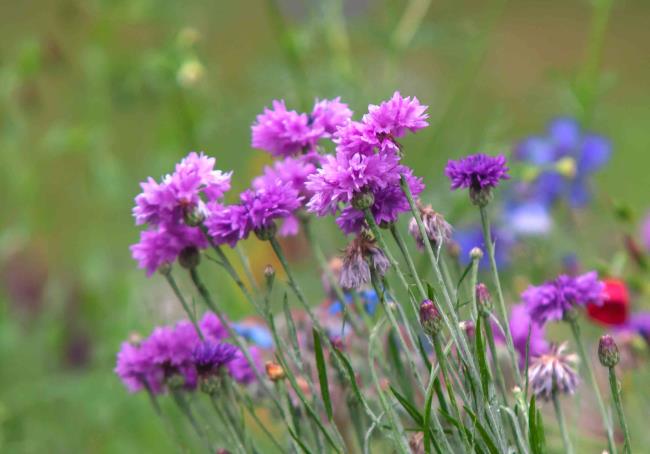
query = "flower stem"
{"x": 501, "y": 305}
{"x": 498, "y": 372}
{"x": 575, "y": 330}
{"x": 181, "y": 298}
{"x": 560, "y": 420}
{"x": 616, "y": 397}
{"x": 182, "y": 404}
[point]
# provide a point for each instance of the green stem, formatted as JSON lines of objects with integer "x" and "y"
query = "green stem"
{"x": 181, "y": 298}
{"x": 473, "y": 282}
{"x": 243, "y": 258}
{"x": 409, "y": 261}
{"x": 575, "y": 330}
{"x": 501, "y": 305}
{"x": 560, "y": 420}
{"x": 228, "y": 425}
{"x": 616, "y": 397}
{"x": 498, "y": 373}
{"x": 182, "y": 404}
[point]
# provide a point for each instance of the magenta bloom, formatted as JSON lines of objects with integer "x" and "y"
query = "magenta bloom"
{"x": 257, "y": 211}
{"x": 239, "y": 368}
{"x": 392, "y": 118}
{"x": 210, "y": 357}
{"x": 329, "y": 115}
{"x": 133, "y": 367}
{"x": 552, "y": 300}
{"x": 477, "y": 171}
{"x": 193, "y": 180}
{"x": 292, "y": 172}
{"x": 284, "y": 132}
{"x": 212, "y": 328}
{"x": 161, "y": 245}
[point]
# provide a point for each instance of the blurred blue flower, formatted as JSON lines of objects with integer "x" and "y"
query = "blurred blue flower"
{"x": 527, "y": 218}
{"x": 565, "y": 158}
{"x": 255, "y": 333}
{"x": 369, "y": 299}
{"x": 468, "y": 238}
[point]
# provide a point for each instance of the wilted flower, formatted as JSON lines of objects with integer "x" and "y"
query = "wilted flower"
{"x": 553, "y": 372}
{"x": 438, "y": 230}
{"x": 478, "y": 172}
{"x": 362, "y": 257}
{"x": 552, "y": 301}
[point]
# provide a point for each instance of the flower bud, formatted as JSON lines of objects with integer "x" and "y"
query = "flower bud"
{"x": 269, "y": 274}
{"x": 430, "y": 318}
{"x": 189, "y": 257}
{"x": 165, "y": 268}
{"x": 476, "y": 253}
{"x": 483, "y": 299}
{"x": 274, "y": 371}
{"x": 363, "y": 200}
{"x": 480, "y": 196}
{"x": 193, "y": 216}
{"x": 608, "y": 351}
{"x": 468, "y": 327}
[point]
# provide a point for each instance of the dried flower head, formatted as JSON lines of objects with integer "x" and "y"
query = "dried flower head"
{"x": 553, "y": 371}
{"x": 438, "y": 230}
{"x": 362, "y": 257}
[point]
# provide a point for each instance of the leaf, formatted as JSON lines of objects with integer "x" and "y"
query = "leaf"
{"x": 409, "y": 407}
{"x": 423, "y": 354}
{"x": 482, "y": 362}
{"x": 464, "y": 275}
{"x": 536, "y": 429}
{"x": 298, "y": 441}
{"x": 293, "y": 337}
{"x": 431, "y": 293}
{"x": 322, "y": 374}
{"x": 458, "y": 424}
{"x": 396, "y": 360}
{"x": 485, "y": 435}
{"x": 351, "y": 377}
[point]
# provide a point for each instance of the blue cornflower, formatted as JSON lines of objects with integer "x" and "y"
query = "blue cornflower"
{"x": 255, "y": 333}
{"x": 470, "y": 237}
{"x": 565, "y": 158}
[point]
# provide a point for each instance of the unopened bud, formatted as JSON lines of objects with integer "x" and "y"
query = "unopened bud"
{"x": 269, "y": 275}
{"x": 480, "y": 196}
{"x": 165, "y": 268}
{"x": 608, "y": 351}
{"x": 193, "y": 216}
{"x": 274, "y": 371}
{"x": 430, "y": 318}
{"x": 483, "y": 299}
{"x": 189, "y": 258}
{"x": 363, "y": 200}
{"x": 476, "y": 253}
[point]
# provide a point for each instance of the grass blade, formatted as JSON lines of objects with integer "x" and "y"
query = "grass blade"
{"x": 322, "y": 374}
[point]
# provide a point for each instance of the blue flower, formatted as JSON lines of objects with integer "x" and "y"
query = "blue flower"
{"x": 565, "y": 158}
{"x": 529, "y": 218}
{"x": 368, "y": 298}
{"x": 257, "y": 334}
{"x": 471, "y": 237}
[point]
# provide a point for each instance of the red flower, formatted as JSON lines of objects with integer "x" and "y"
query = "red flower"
{"x": 616, "y": 303}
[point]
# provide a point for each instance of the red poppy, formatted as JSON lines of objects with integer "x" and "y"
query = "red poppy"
{"x": 615, "y": 308}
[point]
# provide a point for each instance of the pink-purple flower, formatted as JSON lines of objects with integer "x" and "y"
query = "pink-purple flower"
{"x": 552, "y": 300}
{"x": 477, "y": 171}
{"x": 283, "y": 132}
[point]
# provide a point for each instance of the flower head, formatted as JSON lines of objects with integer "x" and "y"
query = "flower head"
{"x": 210, "y": 357}
{"x": 437, "y": 229}
{"x": 133, "y": 367}
{"x": 362, "y": 257}
{"x": 553, "y": 372}
{"x": 478, "y": 172}
{"x": 162, "y": 245}
{"x": 553, "y": 300}
{"x": 194, "y": 182}
{"x": 564, "y": 159}
{"x": 615, "y": 306}
{"x": 284, "y": 132}
{"x": 241, "y": 370}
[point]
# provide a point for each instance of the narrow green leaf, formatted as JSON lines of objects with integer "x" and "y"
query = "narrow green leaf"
{"x": 464, "y": 275}
{"x": 482, "y": 361}
{"x": 293, "y": 337}
{"x": 350, "y": 372}
{"x": 296, "y": 438}
{"x": 431, "y": 293}
{"x": 423, "y": 354}
{"x": 322, "y": 374}
{"x": 458, "y": 424}
{"x": 485, "y": 435}
{"x": 441, "y": 397}
{"x": 409, "y": 407}
{"x": 398, "y": 365}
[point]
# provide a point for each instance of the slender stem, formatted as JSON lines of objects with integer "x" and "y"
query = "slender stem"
{"x": 225, "y": 422}
{"x": 264, "y": 426}
{"x": 182, "y": 404}
{"x": 409, "y": 261}
{"x": 290, "y": 278}
{"x": 473, "y": 282}
{"x": 501, "y": 305}
{"x": 181, "y": 298}
{"x": 440, "y": 355}
{"x": 243, "y": 258}
{"x": 447, "y": 277}
{"x": 560, "y": 420}
{"x": 498, "y": 372}
{"x": 575, "y": 329}
{"x": 616, "y": 397}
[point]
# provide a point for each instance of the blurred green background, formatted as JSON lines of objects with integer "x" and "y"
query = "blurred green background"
{"x": 97, "y": 95}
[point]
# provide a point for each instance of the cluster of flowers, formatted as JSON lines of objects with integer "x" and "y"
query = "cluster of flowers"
{"x": 178, "y": 356}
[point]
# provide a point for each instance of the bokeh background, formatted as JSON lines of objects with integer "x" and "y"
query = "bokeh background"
{"x": 97, "y": 95}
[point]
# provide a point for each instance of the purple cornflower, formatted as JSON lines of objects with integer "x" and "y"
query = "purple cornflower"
{"x": 239, "y": 368}
{"x": 552, "y": 372}
{"x": 638, "y": 323}
{"x": 645, "y": 232}
{"x": 563, "y": 159}
{"x": 292, "y": 172}
{"x": 133, "y": 367}
{"x": 210, "y": 357}
{"x": 212, "y": 328}
{"x": 361, "y": 259}
{"x": 162, "y": 245}
{"x": 257, "y": 211}
{"x": 194, "y": 182}
{"x": 391, "y": 119}
{"x": 478, "y": 172}
{"x": 437, "y": 229}
{"x": 284, "y": 132}
{"x": 553, "y": 300}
